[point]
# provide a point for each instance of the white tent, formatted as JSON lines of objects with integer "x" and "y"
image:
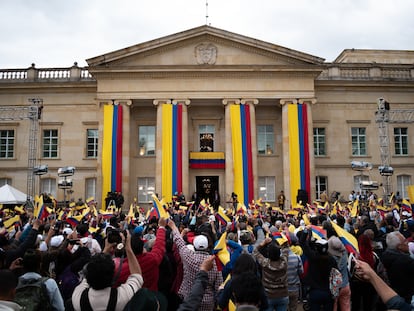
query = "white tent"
{"x": 10, "y": 195}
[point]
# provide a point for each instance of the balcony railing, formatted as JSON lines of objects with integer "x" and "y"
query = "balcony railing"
{"x": 32, "y": 74}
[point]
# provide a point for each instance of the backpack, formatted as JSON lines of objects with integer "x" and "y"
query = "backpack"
{"x": 67, "y": 281}
{"x": 335, "y": 282}
{"x": 32, "y": 294}
{"x": 145, "y": 299}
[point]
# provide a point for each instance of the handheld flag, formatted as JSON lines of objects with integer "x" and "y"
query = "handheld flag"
{"x": 221, "y": 252}
{"x": 350, "y": 242}
{"x": 318, "y": 233}
{"x": 406, "y": 206}
{"x": 11, "y": 222}
{"x": 222, "y": 217}
{"x": 354, "y": 210}
{"x": 159, "y": 208}
{"x": 39, "y": 211}
{"x": 279, "y": 237}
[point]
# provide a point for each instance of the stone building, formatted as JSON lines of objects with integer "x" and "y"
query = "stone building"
{"x": 209, "y": 111}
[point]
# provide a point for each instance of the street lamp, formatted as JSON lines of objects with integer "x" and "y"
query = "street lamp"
{"x": 65, "y": 183}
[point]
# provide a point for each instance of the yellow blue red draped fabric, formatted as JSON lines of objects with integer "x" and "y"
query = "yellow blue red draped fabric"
{"x": 112, "y": 150}
{"x": 242, "y": 152}
{"x": 207, "y": 160}
{"x": 298, "y": 149}
{"x": 172, "y": 158}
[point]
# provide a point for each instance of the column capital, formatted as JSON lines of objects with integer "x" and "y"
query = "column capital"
{"x": 156, "y": 102}
{"x": 125, "y": 102}
{"x": 307, "y": 101}
{"x": 301, "y": 101}
{"x": 227, "y": 101}
{"x": 247, "y": 101}
{"x": 116, "y": 102}
{"x": 181, "y": 101}
{"x": 284, "y": 101}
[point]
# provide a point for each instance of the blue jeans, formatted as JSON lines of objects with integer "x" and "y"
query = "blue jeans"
{"x": 278, "y": 304}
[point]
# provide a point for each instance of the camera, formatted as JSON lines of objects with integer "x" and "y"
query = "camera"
{"x": 73, "y": 241}
{"x": 114, "y": 235}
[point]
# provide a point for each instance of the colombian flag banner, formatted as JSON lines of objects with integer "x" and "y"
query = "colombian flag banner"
{"x": 172, "y": 143}
{"x": 242, "y": 152}
{"x": 299, "y": 157}
{"x": 112, "y": 150}
{"x": 207, "y": 160}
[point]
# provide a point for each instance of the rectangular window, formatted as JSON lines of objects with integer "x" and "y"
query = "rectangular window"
{"x": 146, "y": 143}
{"x": 5, "y": 181}
{"x": 401, "y": 140}
{"x": 321, "y": 185}
{"x": 90, "y": 188}
{"x": 319, "y": 141}
{"x": 48, "y": 185}
{"x": 267, "y": 188}
{"x": 359, "y": 145}
{"x": 206, "y": 134}
{"x": 402, "y": 182}
{"x": 92, "y": 143}
{"x": 265, "y": 139}
{"x": 50, "y": 143}
{"x": 7, "y": 144}
{"x": 146, "y": 187}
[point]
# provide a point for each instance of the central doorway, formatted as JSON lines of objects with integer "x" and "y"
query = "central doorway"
{"x": 206, "y": 187}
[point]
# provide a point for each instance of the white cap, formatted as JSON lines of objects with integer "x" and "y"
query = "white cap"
{"x": 43, "y": 246}
{"x": 56, "y": 240}
{"x": 67, "y": 231}
{"x": 200, "y": 242}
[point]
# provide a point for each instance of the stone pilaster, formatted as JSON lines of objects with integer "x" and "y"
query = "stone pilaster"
{"x": 126, "y": 148}
{"x": 252, "y": 107}
{"x": 284, "y": 102}
{"x": 185, "y": 153}
{"x": 229, "y": 182}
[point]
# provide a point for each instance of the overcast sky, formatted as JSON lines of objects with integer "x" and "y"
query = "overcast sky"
{"x": 56, "y": 33}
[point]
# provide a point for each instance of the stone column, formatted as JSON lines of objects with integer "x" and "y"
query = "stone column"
{"x": 229, "y": 179}
{"x": 158, "y": 150}
{"x": 185, "y": 154}
{"x": 252, "y": 103}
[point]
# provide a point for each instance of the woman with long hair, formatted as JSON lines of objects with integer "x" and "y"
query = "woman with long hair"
{"x": 244, "y": 263}
{"x": 363, "y": 294}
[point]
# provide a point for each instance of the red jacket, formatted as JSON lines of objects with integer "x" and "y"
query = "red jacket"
{"x": 148, "y": 261}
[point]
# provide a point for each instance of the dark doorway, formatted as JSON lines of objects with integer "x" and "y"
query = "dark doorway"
{"x": 206, "y": 186}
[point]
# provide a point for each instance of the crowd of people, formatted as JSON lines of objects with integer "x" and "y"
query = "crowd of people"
{"x": 209, "y": 258}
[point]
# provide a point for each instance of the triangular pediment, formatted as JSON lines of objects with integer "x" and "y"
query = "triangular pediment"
{"x": 204, "y": 46}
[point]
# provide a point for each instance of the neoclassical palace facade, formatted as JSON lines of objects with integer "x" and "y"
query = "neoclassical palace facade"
{"x": 210, "y": 112}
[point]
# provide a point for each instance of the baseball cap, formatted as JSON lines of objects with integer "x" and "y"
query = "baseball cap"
{"x": 200, "y": 242}
{"x": 56, "y": 240}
